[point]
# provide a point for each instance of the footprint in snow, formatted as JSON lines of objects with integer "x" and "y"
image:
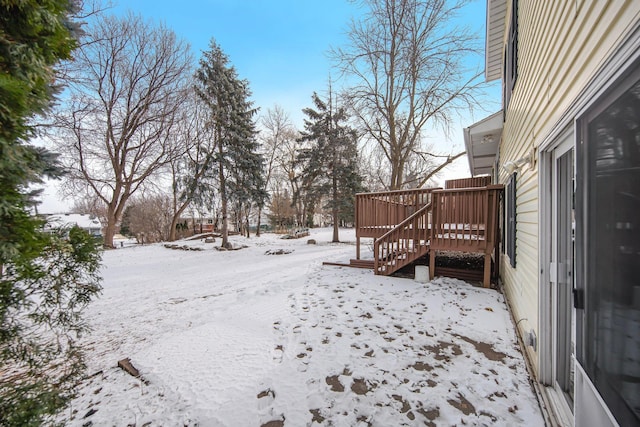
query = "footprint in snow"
{"x": 334, "y": 382}
{"x": 265, "y": 399}
{"x": 275, "y": 423}
{"x": 265, "y": 407}
{"x": 278, "y": 353}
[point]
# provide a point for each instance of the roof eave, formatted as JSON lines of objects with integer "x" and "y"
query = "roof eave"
{"x": 494, "y": 41}
{"x": 481, "y": 141}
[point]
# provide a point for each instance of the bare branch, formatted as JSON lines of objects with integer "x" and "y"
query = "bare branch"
{"x": 126, "y": 87}
{"x": 434, "y": 172}
{"x": 407, "y": 65}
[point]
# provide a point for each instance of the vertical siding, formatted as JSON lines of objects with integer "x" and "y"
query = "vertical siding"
{"x": 561, "y": 45}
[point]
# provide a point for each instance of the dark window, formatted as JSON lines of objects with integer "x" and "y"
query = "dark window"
{"x": 608, "y": 248}
{"x": 510, "y": 219}
{"x": 511, "y": 57}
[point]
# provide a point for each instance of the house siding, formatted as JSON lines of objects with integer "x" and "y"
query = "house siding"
{"x": 561, "y": 46}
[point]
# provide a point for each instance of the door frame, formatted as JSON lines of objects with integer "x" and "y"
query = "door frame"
{"x": 562, "y": 144}
{"x": 589, "y": 406}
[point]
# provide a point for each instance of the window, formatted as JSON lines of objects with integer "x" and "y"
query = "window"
{"x": 510, "y": 57}
{"x": 510, "y": 219}
{"x": 608, "y": 248}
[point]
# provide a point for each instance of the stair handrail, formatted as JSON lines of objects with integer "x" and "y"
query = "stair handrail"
{"x": 396, "y": 230}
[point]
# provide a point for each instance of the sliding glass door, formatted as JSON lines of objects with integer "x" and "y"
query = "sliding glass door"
{"x": 608, "y": 249}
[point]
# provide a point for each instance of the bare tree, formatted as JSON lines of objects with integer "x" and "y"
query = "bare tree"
{"x": 277, "y": 133}
{"x": 283, "y": 172}
{"x": 406, "y": 62}
{"x": 281, "y": 212}
{"x": 127, "y": 84}
{"x": 148, "y": 218}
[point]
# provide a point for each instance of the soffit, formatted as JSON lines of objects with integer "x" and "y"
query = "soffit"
{"x": 494, "y": 43}
{"x": 481, "y": 141}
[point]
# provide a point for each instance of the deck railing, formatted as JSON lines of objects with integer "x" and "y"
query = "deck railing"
{"x": 377, "y": 213}
{"x": 464, "y": 219}
{"x": 476, "y": 181}
{"x": 405, "y": 243}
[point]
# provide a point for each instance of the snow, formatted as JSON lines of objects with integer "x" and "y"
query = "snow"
{"x": 268, "y": 336}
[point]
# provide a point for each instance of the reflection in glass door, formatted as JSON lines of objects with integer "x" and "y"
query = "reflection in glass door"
{"x": 609, "y": 248}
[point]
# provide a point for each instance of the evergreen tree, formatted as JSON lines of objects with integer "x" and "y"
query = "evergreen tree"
{"x": 237, "y": 161}
{"x": 125, "y": 224}
{"x": 330, "y": 162}
{"x": 45, "y": 279}
{"x": 246, "y": 181}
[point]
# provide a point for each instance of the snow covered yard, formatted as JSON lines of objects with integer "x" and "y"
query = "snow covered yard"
{"x": 244, "y": 338}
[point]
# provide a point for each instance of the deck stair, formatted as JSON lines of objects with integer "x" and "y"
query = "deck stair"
{"x": 362, "y": 263}
{"x": 403, "y": 244}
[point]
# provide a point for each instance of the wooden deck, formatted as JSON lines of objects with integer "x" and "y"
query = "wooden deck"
{"x": 410, "y": 224}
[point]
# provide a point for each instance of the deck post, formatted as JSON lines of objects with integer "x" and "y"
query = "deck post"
{"x": 432, "y": 264}
{"x": 496, "y": 273}
{"x": 486, "y": 282}
{"x": 358, "y": 247}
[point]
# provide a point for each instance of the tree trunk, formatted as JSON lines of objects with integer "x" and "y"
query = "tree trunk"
{"x": 223, "y": 197}
{"x": 110, "y": 229}
{"x": 246, "y": 221}
{"x": 259, "y": 223}
{"x": 396, "y": 173}
{"x": 334, "y": 207}
{"x": 172, "y": 228}
{"x": 114, "y": 213}
{"x": 174, "y": 222}
{"x": 302, "y": 216}
{"x": 335, "y": 225}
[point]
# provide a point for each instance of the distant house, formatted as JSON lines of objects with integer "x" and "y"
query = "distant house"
{"x": 84, "y": 221}
{"x": 567, "y": 148}
{"x": 200, "y": 225}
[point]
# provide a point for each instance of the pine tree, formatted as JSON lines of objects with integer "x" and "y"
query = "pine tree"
{"x": 330, "y": 163}
{"x": 45, "y": 279}
{"x": 246, "y": 181}
{"x": 238, "y": 163}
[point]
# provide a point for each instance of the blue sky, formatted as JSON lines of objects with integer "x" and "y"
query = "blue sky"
{"x": 279, "y": 46}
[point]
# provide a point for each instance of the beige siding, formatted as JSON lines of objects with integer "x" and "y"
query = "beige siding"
{"x": 561, "y": 45}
